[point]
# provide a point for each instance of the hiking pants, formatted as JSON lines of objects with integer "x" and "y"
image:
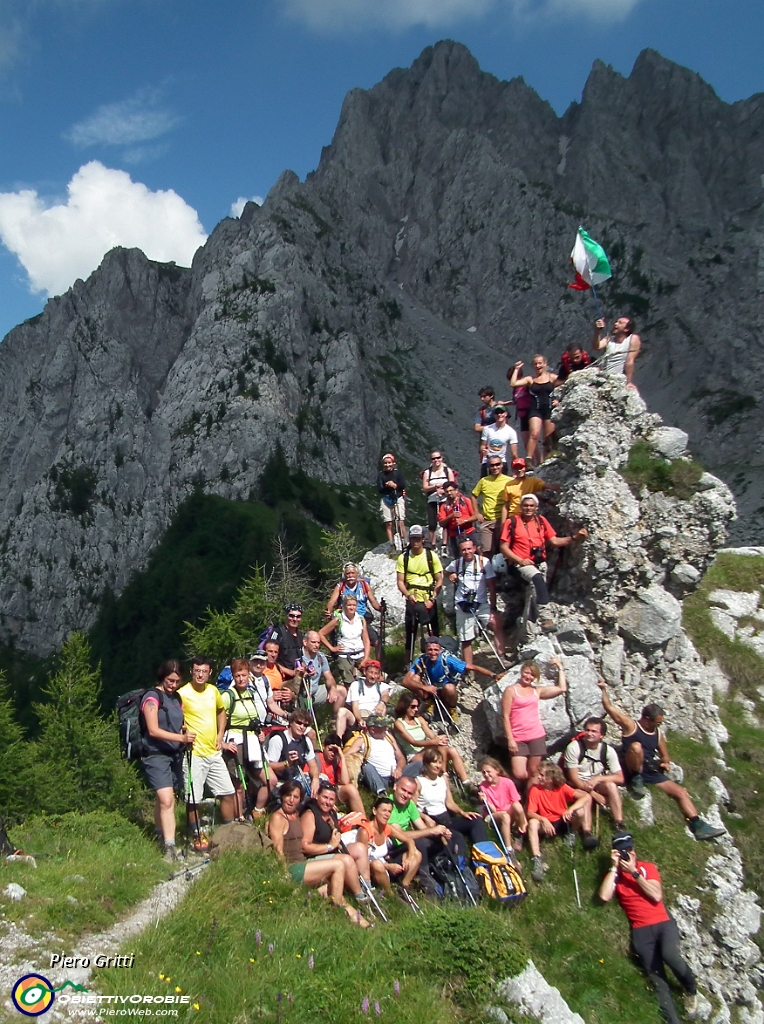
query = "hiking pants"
{"x": 371, "y": 778}
{"x": 471, "y": 828}
{"x": 656, "y": 946}
{"x": 535, "y": 574}
{"x": 417, "y": 614}
{"x": 428, "y": 847}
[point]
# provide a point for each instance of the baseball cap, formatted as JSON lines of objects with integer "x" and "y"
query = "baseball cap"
{"x": 372, "y": 663}
{"x": 258, "y": 656}
{"x": 500, "y": 408}
{"x": 622, "y": 841}
{"x": 517, "y": 464}
{"x": 416, "y": 531}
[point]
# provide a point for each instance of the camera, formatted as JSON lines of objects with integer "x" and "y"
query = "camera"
{"x": 537, "y": 555}
{"x": 253, "y": 725}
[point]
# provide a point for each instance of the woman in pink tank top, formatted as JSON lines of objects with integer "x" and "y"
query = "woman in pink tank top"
{"x": 520, "y": 711}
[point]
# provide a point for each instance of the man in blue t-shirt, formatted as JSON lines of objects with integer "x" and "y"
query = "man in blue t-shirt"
{"x": 435, "y": 673}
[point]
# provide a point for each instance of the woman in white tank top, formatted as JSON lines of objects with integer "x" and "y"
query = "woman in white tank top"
{"x": 352, "y": 638}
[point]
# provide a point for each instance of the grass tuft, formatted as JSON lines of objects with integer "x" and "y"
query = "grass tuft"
{"x": 677, "y": 478}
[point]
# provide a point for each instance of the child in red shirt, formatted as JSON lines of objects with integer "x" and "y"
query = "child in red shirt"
{"x": 555, "y": 809}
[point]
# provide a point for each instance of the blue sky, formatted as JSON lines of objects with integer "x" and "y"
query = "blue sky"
{"x": 141, "y": 122}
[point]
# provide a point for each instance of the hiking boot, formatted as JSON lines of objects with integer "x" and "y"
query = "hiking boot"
{"x": 702, "y": 830}
{"x": 589, "y": 841}
{"x": 691, "y": 1006}
{"x": 637, "y": 786}
{"x": 538, "y": 868}
{"x": 170, "y": 855}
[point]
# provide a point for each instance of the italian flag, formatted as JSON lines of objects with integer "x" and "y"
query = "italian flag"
{"x": 590, "y": 261}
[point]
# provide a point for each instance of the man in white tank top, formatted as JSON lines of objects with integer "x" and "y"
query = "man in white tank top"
{"x": 621, "y": 348}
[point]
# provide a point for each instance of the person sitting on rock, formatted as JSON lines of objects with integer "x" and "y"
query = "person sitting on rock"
{"x": 333, "y": 768}
{"x": 524, "y": 541}
{"x": 573, "y": 358}
{"x": 636, "y": 885}
{"x": 592, "y": 765}
{"x": 414, "y": 736}
{"x": 378, "y": 835}
{"x": 475, "y": 598}
{"x": 499, "y": 793}
{"x": 554, "y": 809}
{"x": 646, "y": 761}
{"x": 291, "y": 755}
{"x": 519, "y": 485}
{"x": 457, "y": 517}
{"x": 382, "y": 761}
{"x": 368, "y": 695}
{"x": 434, "y": 674}
{"x": 428, "y": 839}
{"x": 621, "y": 347}
{"x": 281, "y": 693}
{"x": 435, "y": 801}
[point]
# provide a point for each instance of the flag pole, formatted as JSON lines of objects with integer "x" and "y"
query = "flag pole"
{"x": 597, "y": 303}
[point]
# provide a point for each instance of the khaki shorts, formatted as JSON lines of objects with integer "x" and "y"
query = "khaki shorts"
{"x": 466, "y": 627}
{"x": 392, "y": 512}
{"x": 209, "y": 771}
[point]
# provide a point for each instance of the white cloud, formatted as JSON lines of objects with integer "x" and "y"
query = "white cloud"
{"x": 399, "y": 14}
{"x": 56, "y": 244}
{"x": 137, "y": 119}
{"x": 237, "y": 208}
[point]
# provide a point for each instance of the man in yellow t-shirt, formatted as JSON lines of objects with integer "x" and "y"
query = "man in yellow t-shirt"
{"x": 420, "y": 579}
{"x": 491, "y": 489}
{"x": 205, "y": 715}
{"x": 519, "y": 486}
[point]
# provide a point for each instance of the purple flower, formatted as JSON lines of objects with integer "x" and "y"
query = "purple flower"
{"x": 365, "y": 1005}
{"x": 397, "y": 987}
{"x": 310, "y": 962}
{"x": 270, "y": 947}
{"x": 258, "y": 938}
{"x": 290, "y": 997}
{"x": 377, "y": 1009}
{"x": 279, "y": 996}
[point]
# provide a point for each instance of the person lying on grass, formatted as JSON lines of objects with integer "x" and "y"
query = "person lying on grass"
{"x": 376, "y": 834}
{"x": 336, "y": 873}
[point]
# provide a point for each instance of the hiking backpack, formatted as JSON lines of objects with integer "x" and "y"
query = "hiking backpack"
{"x": 497, "y": 878}
{"x": 454, "y": 883}
{"x": 430, "y": 567}
{"x": 130, "y": 721}
{"x": 579, "y": 738}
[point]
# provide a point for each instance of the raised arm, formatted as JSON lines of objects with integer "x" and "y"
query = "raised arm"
{"x": 598, "y": 342}
{"x": 547, "y": 692}
{"x": 516, "y": 380}
{"x": 628, "y": 725}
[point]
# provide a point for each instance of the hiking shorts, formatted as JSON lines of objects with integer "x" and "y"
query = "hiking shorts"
{"x": 466, "y": 627}
{"x": 392, "y": 512}
{"x": 531, "y": 748}
{"x": 164, "y": 771}
{"x": 209, "y": 771}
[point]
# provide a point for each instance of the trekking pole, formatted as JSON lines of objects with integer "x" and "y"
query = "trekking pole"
{"x": 366, "y": 886}
{"x": 596, "y": 819}
{"x": 497, "y": 830}
{"x": 382, "y": 631}
{"x": 570, "y": 838}
{"x": 408, "y": 898}
{"x": 189, "y": 872}
{"x": 190, "y": 792}
{"x": 445, "y": 715}
{"x": 247, "y": 803}
{"x": 484, "y": 633}
{"x": 312, "y": 713}
{"x": 455, "y": 861}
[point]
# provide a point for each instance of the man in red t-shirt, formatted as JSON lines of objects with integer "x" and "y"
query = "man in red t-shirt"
{"x": 457, "y": 516}
{"x": 524, "y": 541}
{"x": 654, "y": 934}
{"x": 555, "y": 809}
{"x": 333, "y": 768}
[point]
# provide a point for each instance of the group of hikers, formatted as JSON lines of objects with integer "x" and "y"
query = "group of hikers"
{"x": 251, "y": 737}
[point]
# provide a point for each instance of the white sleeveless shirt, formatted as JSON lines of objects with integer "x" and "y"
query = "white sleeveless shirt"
{"x": 432, "y": 798}
{"x": 615, "y": 355}
{"x": 351, "y": 635}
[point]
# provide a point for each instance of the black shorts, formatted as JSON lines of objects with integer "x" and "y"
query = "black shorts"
{"x": 523, "y": 421}
{"x": 432, "y": 514}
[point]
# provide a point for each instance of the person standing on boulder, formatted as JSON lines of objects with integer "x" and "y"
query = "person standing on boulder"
{"x": 646, "y": 761}
{"x": 392, "y": 488}
{"x": 636, "y": 885}
{"x": 621, "y": 348}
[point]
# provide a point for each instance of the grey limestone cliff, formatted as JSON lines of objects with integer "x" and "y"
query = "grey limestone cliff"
{"x": 366, "y": 305}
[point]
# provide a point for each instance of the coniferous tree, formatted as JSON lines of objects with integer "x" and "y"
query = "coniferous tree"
{"x": 79, "y": 763}
{"x": 17, "y": 758}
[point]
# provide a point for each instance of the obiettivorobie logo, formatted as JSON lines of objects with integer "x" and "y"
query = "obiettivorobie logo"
{"x": 33, "y": 994}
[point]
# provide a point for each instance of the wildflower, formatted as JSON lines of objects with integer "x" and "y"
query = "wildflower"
{"x": 196, "y": 1006}
{"x": 299, "y": 956}
{"x": 178, "y": 988}
{"x": 251, "y": 959}
{"x": 310, "y": 962}
{"x": 397, "y": 987}
{"x": 198, "y": 953}
{"x": 290, "y": 997}
{"x": 377, "y": 1009}
{"x": 365, "y": 1005}
{"x": 161, "y": 977}
{"x": 258, "y": 938}
{"x": 270, "y": 947}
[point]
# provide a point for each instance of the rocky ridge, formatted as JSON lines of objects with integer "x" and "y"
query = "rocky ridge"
{"x": 427, "y": 248}
{"x": 618, "y": 609}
